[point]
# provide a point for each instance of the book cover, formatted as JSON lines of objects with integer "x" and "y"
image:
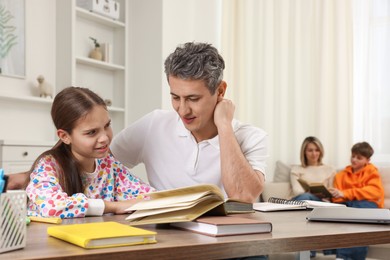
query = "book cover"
{"x": 184, "y": 204}
{"x": 102, "y": 234}
{"x": 225, "y": 226}
{"x": 317, "y": 189}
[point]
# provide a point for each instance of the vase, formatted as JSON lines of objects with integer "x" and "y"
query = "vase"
{"x": 96, "y": 54}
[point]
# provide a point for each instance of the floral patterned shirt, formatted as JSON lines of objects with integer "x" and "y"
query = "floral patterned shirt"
{"x": 111, "y": 181}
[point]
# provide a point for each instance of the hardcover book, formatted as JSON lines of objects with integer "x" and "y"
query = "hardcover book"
{"x": 102, "y": 234}
{"x": 225, "y": 226}
{"x": 184, "y": 204}
{"x": 317, "y": 189}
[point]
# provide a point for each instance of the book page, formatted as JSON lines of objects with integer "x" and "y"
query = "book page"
{"x": 187, "y": 190}
{"x": 184, "y": 200}
{"x": 159, "y": 210}
{"x": 269, "y": 206}
{"x": 315, "y": 204}
{"x": 188, "y": 214}
{"x": 177, "y": 197}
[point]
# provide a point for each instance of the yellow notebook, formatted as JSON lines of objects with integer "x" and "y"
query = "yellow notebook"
{"x": 102, "y": 234}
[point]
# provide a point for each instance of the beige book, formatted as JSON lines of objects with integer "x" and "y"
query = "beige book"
{"x": 184, "y": 204}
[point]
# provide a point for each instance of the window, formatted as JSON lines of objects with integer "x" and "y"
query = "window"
{"x": 372, "y": 76}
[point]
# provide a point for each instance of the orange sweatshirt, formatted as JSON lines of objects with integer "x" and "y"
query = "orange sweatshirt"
{"x": 365, "y": 184}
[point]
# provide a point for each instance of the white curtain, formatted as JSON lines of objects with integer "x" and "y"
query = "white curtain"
{"x": 289, "y": 71}
{"x": 372, "y": 77}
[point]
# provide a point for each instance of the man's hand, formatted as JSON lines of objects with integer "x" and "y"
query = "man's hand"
{"x": 223, "y": 113}
{"x": 17, "y": 181}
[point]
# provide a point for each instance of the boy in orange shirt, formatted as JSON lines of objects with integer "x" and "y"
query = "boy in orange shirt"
{"x": 359, "y": 185}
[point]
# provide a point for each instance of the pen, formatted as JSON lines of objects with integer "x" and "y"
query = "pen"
{"x": 46, "y": 220}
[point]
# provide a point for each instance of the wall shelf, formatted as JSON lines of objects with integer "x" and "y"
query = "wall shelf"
{"x": 99, "y": 64}
{"x": 75, "y": 68}
{"x": 97, "y": 18}
{"x": 31, "y": 99}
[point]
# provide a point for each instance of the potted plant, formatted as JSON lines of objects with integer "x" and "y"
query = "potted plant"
{"x": 96, "y": 53}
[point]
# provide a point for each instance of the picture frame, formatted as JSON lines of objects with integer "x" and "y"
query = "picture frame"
{"x": 12, "y": 35}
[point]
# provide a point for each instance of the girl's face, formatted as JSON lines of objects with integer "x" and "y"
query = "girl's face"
{"x": 91, "y": 137}
{"x": 312, "y": 153}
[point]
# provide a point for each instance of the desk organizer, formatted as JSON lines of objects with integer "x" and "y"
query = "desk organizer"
{"x": 12, "y": 220}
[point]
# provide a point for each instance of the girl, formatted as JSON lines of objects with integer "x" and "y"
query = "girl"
{"x": 79, "y": 177}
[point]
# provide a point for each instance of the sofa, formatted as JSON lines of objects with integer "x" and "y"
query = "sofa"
{"x": 280, "y": 187}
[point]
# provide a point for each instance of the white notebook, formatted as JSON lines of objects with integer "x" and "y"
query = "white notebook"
{"x": 278, "y": 204}
{"x": 347, "y": 214}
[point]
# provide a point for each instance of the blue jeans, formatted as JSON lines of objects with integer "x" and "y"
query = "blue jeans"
{"x": 355, "y": 253}
{"x": 306, "y": 196}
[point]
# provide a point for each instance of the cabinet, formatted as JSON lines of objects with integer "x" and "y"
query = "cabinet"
{"x": 18, "y": 156}
{"x": 75, "y": 26}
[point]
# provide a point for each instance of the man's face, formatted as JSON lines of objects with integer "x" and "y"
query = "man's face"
{"x": 195, "y": 105}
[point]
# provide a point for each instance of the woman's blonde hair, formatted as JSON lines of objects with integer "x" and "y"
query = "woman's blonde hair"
{"x": 316, "y": 142}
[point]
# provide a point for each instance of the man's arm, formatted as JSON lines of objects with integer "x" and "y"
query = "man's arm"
{"x": 239, "y": 179}
{"x": 17, "y": 181}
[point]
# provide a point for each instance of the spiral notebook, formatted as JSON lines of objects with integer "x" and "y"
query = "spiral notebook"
{"x": 279, "y": 204}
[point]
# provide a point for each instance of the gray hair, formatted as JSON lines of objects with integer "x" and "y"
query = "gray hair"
{"x": 196, "y": 61}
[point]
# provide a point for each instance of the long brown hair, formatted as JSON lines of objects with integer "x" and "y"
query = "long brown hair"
{"x": 69, "y": 105}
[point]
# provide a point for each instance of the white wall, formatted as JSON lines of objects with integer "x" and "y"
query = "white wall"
{"x": 156, "y": 28}
{"x": 23, "y": 120}
{"x": 186, "y": 21}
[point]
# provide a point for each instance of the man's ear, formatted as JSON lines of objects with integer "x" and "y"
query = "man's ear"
{"x": 221, "y": 90}
{"x": 64, "y": 136}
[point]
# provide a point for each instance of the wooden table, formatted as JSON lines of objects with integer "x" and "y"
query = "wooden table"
{"x": 291, "y": 233}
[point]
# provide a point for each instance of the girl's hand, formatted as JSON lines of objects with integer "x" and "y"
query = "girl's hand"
{"x": 118, "y": 207}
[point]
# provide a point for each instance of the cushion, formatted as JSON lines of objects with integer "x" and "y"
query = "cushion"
{"x": 385, "y": 175}
{"x": 282, "y": 172}
{"x": 276, "y": 189}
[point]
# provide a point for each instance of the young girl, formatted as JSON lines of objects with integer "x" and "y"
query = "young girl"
{"x": 79, "y": 177}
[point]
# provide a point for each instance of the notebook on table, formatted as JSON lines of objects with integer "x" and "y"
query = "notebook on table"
{"x": 347, "y": 214}
{"x": 279, "y": 204}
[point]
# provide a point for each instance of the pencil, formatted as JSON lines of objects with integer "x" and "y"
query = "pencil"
{"x": 46, "y": 220}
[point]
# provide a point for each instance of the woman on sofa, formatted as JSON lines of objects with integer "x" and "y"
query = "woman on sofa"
{"x": 311, "y": 170}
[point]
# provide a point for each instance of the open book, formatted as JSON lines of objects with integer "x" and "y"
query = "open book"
{"x": 278, "y": 204}
{"x": 317, "y": 189}
{"x": 184, "y": 204}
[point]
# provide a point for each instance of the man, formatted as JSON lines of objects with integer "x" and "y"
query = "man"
{"x": 200, "y": 142}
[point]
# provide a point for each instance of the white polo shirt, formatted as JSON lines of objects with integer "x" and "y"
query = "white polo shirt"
{"x": 173, "y": 158}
